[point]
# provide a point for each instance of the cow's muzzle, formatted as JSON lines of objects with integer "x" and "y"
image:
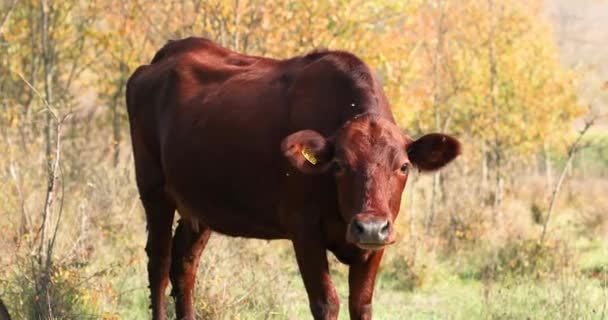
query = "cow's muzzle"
{"x": 370, "y": 231}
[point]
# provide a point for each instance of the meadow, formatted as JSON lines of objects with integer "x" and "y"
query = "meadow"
{"x": 515, "y": 228}
{"x": 475, "y": 272}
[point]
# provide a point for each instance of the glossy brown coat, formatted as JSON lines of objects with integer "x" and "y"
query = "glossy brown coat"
{"x": 304, "y": 149}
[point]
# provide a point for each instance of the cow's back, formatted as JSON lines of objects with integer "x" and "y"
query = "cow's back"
{"x": 211, "y": 117}
{"x": 179, "y": 82}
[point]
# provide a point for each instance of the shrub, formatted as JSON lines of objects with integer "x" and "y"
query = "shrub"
{"x": 526, "y": 258}
{"x": 68, "y": 294}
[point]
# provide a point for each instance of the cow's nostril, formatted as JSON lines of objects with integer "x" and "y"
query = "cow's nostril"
{"x": 359, "y": 227}
{"x": 386, "y": 227}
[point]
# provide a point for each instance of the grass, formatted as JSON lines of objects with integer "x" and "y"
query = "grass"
{"x": 272, "y": 289}
{"x": 482, "y": 272}
{"x": 267, "y": 272}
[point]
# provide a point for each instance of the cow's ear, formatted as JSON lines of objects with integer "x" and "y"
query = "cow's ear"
{"x": 308, "y": 151}
{"x": 433, "y": 151}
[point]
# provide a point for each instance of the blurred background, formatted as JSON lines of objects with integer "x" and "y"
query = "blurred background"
{"x": 516, "y": 228}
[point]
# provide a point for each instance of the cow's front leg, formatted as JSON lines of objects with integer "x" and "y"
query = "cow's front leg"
{"x": 361, "y": 279}
{"x": 312, "y": 261}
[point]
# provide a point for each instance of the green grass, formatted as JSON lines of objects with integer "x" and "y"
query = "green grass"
{"x": 102, "y": 239}
{"x": 270, "y": 273}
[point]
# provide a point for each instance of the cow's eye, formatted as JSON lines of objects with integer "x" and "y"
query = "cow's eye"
{"x": 337, "y": 167}
{"x": 404, "y": 167}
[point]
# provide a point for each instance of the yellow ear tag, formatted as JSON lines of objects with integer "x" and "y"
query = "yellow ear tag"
{"x": 309, "y": 155}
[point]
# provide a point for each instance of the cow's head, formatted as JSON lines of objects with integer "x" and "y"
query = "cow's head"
{"x": 370, "y": 159}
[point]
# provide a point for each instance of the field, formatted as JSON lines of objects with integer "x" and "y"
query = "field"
{"x": 100, "y": 265}
{"x": 515, "y": 228}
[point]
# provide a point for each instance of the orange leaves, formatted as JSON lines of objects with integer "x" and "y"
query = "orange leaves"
{"x": 521, "y": 104}
{"x": 431, "y": 56}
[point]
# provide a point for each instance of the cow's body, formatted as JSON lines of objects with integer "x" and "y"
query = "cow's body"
{"x": 207, "y": 127}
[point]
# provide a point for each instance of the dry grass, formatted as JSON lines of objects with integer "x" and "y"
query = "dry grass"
{"x": 466, "y": 267}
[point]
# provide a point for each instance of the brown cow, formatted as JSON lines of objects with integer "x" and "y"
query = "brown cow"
{"x": 304, "y": 149}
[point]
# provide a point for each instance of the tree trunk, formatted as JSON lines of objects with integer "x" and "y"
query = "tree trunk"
{"x": 116, "y": 115}
{"x": 44, "y": 309}
{"x": 498, "y": 192}
{"x": 237, "y": 21}
{"x": 548, "y": 167}
{"x": 496, "y": 208}
{"x": 483, "y": 185}
{"x": 435, "y": 196}
{"x": 48, "y": 80}
{"x": 437, "y": 96}
{"x": 412, "y": 212}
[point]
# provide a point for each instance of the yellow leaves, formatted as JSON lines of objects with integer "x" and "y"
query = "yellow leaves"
{"x": 464, "y": 234}
{"x": 423, "y": 75}
{"x": 14, "y": 122}
{"x": 451, "y": 77}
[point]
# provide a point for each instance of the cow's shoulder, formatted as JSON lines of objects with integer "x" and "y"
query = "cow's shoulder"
{"x": 336, "y": 64}
{"x": 192, "y": 44}
{"x": 329, "y": 88}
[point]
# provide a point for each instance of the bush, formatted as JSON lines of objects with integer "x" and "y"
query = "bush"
{"x": 526, "y": 258}
{"x": 406, "y": 275}
{"x": 68, "y": 293}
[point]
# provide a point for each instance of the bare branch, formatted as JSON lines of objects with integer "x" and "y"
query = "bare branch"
{"x": 7, "y": 15}
{"x": 574, "y": 147}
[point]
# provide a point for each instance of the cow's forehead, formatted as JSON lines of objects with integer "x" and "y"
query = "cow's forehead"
{"x": 370, "y": 134}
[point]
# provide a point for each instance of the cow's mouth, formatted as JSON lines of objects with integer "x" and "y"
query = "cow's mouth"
{"x": 372, "y": 246}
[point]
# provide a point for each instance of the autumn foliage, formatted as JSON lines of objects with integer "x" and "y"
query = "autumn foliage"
{"x": 488, "y": 72}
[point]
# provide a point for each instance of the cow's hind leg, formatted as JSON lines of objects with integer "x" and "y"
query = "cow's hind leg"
{"x": 188, "y": 244}
{"x": 160, "y": 210}
{"x": 159, "y": 216}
